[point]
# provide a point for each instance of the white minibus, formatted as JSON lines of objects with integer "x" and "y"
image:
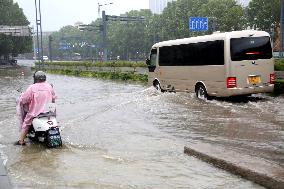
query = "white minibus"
{"x": 237, "y": 63}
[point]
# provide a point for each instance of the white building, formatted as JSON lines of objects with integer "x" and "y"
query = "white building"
{"x": 244, "y": 3}
{"x": 157, "y": 6}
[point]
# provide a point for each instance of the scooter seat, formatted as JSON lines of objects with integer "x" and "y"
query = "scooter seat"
{"x": 46, "y": 114}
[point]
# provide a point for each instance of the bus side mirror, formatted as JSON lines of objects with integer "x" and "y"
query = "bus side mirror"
{"x": 148, "y": 61}
{"x": 151, "y": 68}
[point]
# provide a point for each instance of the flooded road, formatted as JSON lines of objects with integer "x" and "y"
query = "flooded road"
{"x": 119, "y": 135}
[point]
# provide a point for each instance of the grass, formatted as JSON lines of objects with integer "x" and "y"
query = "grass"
{"x": 278, "y": 87}
{"x": 279, "y": 64}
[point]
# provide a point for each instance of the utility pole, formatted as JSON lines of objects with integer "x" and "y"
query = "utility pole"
{"x": 104, "y": 32}
{"x": 214, "y": 24}
{"x": 282, "y": 29}
{"x": 50, "y": 39}
{"x": 99, "y": 8}
{"x": 34, "y": 43}
{"x": 39, "y": 27}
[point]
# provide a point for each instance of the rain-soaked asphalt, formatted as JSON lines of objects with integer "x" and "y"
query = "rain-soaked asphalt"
{"x": 123, "y": 136}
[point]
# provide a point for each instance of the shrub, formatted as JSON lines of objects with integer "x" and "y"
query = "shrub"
{"x": 98, "y": 64}
{"x": 279, "y": 64}
{"x": 103, "y": 75}
{"x": 278, "y": 87}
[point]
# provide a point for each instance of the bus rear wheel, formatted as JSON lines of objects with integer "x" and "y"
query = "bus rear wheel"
{"x": 201, "y": 92}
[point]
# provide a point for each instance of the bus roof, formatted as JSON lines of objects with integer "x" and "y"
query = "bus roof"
{"x": 212, "y": 37}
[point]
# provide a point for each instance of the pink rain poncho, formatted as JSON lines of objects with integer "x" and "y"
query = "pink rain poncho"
{"x": 33, "y": 102}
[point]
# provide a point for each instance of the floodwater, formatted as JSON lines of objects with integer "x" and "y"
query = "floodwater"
{"x": 128, "y": 136}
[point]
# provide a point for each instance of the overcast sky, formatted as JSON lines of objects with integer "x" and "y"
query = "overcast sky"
{"x": 58, "y": 13}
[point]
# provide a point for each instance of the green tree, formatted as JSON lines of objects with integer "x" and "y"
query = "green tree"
{"x": 11, "y": 14}
{"x": 70, "y": 40}
{"x": 129, "y": 40}
{"x": 174, "y": 19}
{"x": 229, "y": 16}
{"x": 264, "y": 15}
{"x": 126, "y": 39}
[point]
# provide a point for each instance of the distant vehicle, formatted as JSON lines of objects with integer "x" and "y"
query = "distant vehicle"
{"x": 45, "y": 57}
{"x": 76, "y": 56}
{"x": 220, "y": 65}
{"x": 39, "y": 58}
{"x": 276, "y": 54}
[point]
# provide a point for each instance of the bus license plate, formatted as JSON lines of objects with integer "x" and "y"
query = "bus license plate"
{"x": 254, "y": 80}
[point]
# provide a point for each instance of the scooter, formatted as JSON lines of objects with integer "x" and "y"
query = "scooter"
{"x": 45, "y": 129}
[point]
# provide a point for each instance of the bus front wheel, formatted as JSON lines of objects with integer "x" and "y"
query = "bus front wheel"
{"x": 157, "y": 86}
{"x": 201, "y": 92}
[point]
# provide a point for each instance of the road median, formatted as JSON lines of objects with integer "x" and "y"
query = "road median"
{"x": 251, "y": 168}
{"x": 125, "y": 71}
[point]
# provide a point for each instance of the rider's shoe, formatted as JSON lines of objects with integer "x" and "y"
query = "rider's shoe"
{"x": 19, "y": 143}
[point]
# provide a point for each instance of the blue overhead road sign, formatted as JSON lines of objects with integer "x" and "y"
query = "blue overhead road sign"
{"x": 198, "y": 24}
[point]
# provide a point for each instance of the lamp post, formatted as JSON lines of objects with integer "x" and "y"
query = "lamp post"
{"x": 104, "y": 46}
{"x": 282, "y": 29}
{"x": 34, "y": 42}
{"x": 38, "y": 26}
{"x": 99, "y": 7}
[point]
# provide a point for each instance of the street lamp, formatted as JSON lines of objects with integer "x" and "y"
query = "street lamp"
{"x": 99, "y": 7}
{"x": 282, "y": 29}
{"x": 38, "y": 26}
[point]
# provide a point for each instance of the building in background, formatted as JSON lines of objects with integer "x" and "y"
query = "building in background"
{"x": 244, "y": 3}
{"x": 157, "y": 6}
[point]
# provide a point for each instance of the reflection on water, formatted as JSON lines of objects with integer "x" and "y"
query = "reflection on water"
{"x": 119, "y": 135}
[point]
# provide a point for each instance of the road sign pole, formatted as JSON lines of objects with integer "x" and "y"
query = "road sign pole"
{"x": 214, "y": 24}
{"x": 50, "y": 47}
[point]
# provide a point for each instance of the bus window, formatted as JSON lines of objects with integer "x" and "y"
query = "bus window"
{"x": 193, "y": 54}
{"x": 250, "y": 48}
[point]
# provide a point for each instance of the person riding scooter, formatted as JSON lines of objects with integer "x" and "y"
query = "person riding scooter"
{"x": 34, "y": 101}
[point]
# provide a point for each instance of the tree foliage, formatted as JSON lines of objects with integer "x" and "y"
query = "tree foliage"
{"x": 264, "y": 15}
{"x": 133, "y": 40}
{"x": 11, "y": 14}
{"x": 228, "y": 14}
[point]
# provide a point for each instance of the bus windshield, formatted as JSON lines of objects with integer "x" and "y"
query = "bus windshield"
{"x": 250, "y": 48}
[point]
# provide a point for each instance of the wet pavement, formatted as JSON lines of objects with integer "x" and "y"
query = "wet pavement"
{"x": 123, "y": 135}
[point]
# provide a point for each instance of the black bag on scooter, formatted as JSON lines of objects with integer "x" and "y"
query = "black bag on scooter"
{"x": 53, "y": 138}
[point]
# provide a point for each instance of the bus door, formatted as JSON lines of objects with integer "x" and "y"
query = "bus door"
{"x": 152, "y": 65}
{"x": 251, "y": 62}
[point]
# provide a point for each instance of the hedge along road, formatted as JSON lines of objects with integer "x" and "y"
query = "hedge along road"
{"x": 119, "y": 135}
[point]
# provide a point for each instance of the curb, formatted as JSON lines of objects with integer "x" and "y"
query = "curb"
{"x": 4, "y": 179}
{"x": 251, "y": 168}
